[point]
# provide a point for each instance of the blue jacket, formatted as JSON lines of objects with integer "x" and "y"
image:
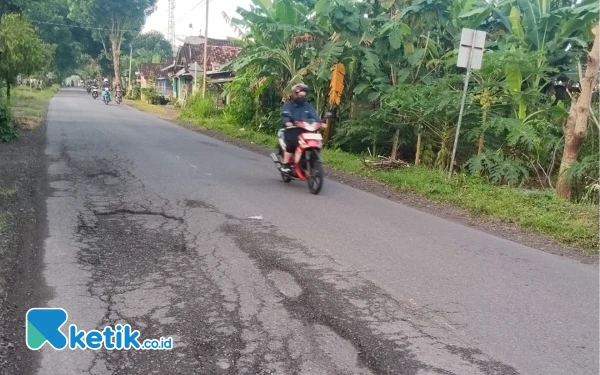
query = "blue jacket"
{"x": 299, "y": 112}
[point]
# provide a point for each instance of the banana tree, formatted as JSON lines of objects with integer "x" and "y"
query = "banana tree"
{"x": 557, "y": 30}
{"x": 277, "y": 34}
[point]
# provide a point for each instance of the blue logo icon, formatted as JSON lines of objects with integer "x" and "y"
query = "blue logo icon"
{"x": 43, "y": 325}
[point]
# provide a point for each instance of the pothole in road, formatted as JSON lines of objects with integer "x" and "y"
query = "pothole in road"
{"x": 194, "y": 203}
{"x": 285, "y": 283}
{"x": 142, "y": 212}
{"x": 339, "y": 350}
{"x": 103, "y": 174}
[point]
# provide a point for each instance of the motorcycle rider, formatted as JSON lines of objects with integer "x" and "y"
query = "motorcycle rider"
{"x": 295, "y": 109}
{"x": 118, "y": 89}
{"x": 106, "y": 87}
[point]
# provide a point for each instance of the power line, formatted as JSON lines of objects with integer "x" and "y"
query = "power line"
{"x": 77, "y": 26}
{"x": 186, "y": 13}
{"x": 107, "y": 29}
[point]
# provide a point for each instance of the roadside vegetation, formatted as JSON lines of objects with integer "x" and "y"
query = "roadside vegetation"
{"x": 528, "y": 147}
{"x": 43, "y": 43}
{"x": 29, "y": 105}
{"x": 144, "y": 106}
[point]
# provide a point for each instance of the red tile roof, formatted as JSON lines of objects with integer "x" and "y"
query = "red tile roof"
{"x": 148, "y": 69}
{"x": 219, "y": 52}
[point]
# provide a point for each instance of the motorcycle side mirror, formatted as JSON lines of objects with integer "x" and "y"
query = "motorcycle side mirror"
{"x": 328, "y": 115}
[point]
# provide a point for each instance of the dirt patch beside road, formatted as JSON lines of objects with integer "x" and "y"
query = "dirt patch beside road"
{"x": 22, "y": 232}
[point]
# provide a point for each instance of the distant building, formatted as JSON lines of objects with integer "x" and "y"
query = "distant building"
{"x": 189, "y": 60}
{"x": 150, "y": 74}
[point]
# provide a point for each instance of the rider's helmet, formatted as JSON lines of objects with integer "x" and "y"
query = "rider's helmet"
{"x": 299, "y": 92}
{"x": 105, "y": 80}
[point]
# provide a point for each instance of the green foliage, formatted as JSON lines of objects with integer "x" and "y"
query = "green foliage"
{"x": 370, "y": 130}
{"x": 498, "y": 168}
{"x": 151, "y": 95}
{"x": 136, "y": 93}
{"x": 110, "y": 21}
{"x": 21, "y": 50}
{"x": 242, "y": 109}
{"x": 7, "y": 131}
{"x": 200, "y": 108}
{"x": 151, "y": 47}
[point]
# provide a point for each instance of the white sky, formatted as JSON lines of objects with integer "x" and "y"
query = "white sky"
{"x": 184, "y": 15}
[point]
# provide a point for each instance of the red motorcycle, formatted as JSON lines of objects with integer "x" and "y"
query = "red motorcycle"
{"x": 307, "y": 163}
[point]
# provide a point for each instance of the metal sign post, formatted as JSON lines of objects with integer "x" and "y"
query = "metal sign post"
{"x": 470, "y": 56}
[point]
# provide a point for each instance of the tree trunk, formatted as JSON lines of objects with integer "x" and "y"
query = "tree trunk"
{"x": 396, "y": 145}
{"x": 482, "y": 136}
{"x": 115, "y": 42}
{"x": 8, "y": 90}
{"x": 328, "y": 133}
{"x": 418, "y": 153}
{"x": 575, "y": 128}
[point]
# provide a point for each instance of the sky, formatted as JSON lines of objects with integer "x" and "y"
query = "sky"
{"x": 188, "y": 11}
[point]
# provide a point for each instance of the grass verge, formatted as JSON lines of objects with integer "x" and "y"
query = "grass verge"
{"x": 3, "y": 221}
{"x": 28, "y": 105}
{"x": 143, "y": 106}
{"x": 536, "y": 210}
{"x": 7, "y": 192}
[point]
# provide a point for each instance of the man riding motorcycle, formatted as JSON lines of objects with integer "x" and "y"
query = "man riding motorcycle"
{"x": 118, "y": 92}
{"x": 106, "y": 89}
{"x": 296, "y": 109}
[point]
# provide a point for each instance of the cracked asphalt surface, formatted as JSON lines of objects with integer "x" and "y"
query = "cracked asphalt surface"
{"x": 150, "y": 224}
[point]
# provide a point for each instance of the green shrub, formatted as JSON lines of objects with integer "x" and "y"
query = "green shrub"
{"x": 241, "y": 110}
{"x": 8, "y": 132}
{"x": 270, "y": 123}
{"x": 136, "y": 92}
{"x": 199, "y": 107}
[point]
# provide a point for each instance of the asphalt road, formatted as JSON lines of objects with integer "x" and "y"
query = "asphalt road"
{"x": 182, "y": 235}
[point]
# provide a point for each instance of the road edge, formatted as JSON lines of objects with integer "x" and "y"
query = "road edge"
{"x": 28, "y": 288}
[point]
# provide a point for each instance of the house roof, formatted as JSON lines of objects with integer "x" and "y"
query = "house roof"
{"x": 197, "y": 40}
{"x": 148, "y": 69}
{"x": 219, "y": 52}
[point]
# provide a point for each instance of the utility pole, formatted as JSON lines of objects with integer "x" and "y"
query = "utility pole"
{"x": 130, "y": 83}
{"x": 205, "y": 52}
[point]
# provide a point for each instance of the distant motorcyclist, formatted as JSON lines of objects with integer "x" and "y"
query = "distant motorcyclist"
{"x": 106, "y": 89}
{"x": 296, "y": 109}
{"x": 118, "y": 90}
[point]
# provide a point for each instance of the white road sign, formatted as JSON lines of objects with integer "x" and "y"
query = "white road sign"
{"x": 471, "y": 40}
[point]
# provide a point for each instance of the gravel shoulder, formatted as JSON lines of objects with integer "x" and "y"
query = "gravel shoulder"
{"x": 23, "y": 230}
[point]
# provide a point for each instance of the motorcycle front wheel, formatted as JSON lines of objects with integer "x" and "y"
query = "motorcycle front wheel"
{"x": 316, "y": 174}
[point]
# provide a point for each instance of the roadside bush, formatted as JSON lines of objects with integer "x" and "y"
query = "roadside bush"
{"x": 136, "y": 92}
{"x": 199, "y": 107}
{"x": 7, "y": 131}
{"x": 241, "y": 111}
{"x": 270, "y": 123}
{"x": 150, "y": 95}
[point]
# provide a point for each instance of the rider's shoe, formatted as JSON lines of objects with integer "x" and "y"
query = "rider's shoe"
{"x": 285, "y": 168}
